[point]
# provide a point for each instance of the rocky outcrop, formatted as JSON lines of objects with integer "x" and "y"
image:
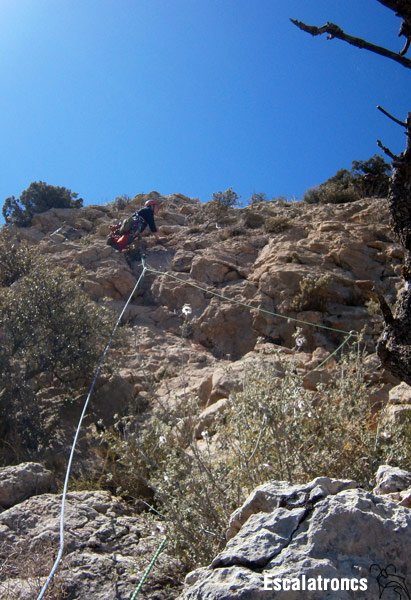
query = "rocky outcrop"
{"x": 106, "y": 549}
{"x": 17, "y": 483}
{"x": 395, "y": 483}
{"x": 318, "y": 537}
{"x": 398, "y": 408}
{"x": 321, "y": 268}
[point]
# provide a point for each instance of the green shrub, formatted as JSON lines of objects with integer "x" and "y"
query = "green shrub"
{"x": 277, "y": 224}
{"x": 16, "y": 259}
{"x": 233, "y": 231}
{"x": 121, "y": 202}
{"x": 229, "y": 198}
{"x": 191, "y": 490}
{"x": 253, "y": 220}
{"x": 372, "y": 176}
{"x": 292, "y": 434}
{"x": 331, "y": 193}
{"x": 257, "y": 198}
{"x": 313, "y": 294}
{"x": 312, "y": 196}
{"x": 366, "y": 178}
{"x": 51, "y": 335}
{"x": 38, "y": 198}
{"x": 218, "y": 207}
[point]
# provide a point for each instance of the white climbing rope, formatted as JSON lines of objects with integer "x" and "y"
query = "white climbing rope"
{"x": 70, "y": 461}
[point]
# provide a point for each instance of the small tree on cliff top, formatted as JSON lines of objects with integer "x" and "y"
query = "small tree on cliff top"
{"x": 38, "y": 198}
{"x": 394, "y": 345}
{"x": 228, "y": 199}
{"x": 221, "y": 202}
{"x": 367, "y": 178}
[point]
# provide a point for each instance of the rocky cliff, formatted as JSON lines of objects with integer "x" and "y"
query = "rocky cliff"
{"x": 217, "y": 298}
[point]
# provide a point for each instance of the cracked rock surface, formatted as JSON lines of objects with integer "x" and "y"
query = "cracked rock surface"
{"x": 325, "y": 528}
{"x": 107, "y": 550}
{"x": 19, "y": 482}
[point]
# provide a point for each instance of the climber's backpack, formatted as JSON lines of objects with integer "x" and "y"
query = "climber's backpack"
{"x": 123, "y": 233}
{"x": 117, "y": 238}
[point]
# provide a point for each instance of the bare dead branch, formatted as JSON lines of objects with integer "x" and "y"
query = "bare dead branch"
{"x": 387, "y": 114}
{"x": 334, "y": 31}
{"x": 377, "y": 295}
{"x": 405, "y": 30}
{"x": 387, "y": 151}
{"x": 406, "y": 47}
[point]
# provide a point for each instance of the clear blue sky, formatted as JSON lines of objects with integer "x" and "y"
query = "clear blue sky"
{"x": 111, "y": 97}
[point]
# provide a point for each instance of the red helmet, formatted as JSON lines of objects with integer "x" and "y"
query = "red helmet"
{"x": 152, "y": 202}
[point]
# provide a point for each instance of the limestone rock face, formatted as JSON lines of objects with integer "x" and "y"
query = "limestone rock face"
{"x": 17, "y": 483}
{"x": 267, "y": 497}
{"x": 112, "y": 398}
{"x": 242, "y": 282}
{"x": 106, "y": 549}
{"x": 400, "y": 394}
{"x": 320, "y": 269}
{"x": 395, "y": 483}
{"x": 326, "y": 528}
{"x": 227, "y": 330}
{"x": 207, "y": 417}
{"x": 399, "y": 403}
{"x": 391, "y": 479}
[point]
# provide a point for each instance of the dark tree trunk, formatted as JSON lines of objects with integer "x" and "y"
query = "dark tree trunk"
{"x": 394, "y": 345}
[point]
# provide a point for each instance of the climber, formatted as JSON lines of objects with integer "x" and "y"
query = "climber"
{"x": 123, "y": 234}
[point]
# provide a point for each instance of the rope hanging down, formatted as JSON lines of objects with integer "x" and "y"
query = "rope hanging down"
{"x": 70, "y": 461}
